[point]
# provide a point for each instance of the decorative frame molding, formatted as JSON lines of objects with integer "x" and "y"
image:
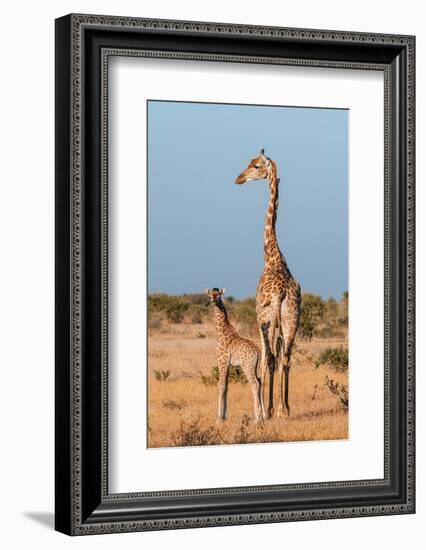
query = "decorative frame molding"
{"x": 84, "y": 44}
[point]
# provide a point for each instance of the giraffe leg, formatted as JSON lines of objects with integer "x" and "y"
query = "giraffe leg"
{"x": 268, "y": 332}
{"x": 289, "y": 323}
{"x": 278, "y": 356}
{"x": 262, "y": 374}
{"x": 222, "y": 408}
{"x": 271, "y": 368}
{"x": 262, "y": 391}
{"x": 280, "y": 390}
{"x": 287, "y": 373}
{"x": 255, "y": 388}
{"x": 225, "y": 402}
{"x": 284, "y": 369}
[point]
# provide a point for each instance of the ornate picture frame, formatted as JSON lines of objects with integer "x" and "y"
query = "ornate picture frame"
{"x": 84, "y": 44}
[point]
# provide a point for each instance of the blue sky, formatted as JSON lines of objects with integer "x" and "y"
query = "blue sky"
{"x": 205, "y": 231}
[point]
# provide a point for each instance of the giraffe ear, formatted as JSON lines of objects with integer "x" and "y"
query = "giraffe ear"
{"x": 222, "y": 292}
{"x": 207, "y": 291}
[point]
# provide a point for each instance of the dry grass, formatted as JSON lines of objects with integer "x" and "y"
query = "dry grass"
{"x": 182, "y": 410}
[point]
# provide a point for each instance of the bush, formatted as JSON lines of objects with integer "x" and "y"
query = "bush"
{"x": 158, "y": 302}
{"x": 176, "y": 310}
{"x": 245, "y": 314}
{"x": 162, "y": 375}
{"x": 306, "y": 327}
{"x": 319, "y": 318}
{"x": 236, "y": 374}
{"x": 154, "y": 320}
{"x": 329, "y": 331}
{"x": 336, "y": 358}
{"x": 339, "y": 390}
{"x": 323, "y": 318}
{"x": 243, "y": 433}
{"x": 197, "y": 314}
{"x": 174, "y": 405}
{"x": 191, "y": 433}
{"x": 198, "y": 299}
{"x": 313, "y": 309}
{"x": 174, "y": 307}
{"x": 211, "y": 379}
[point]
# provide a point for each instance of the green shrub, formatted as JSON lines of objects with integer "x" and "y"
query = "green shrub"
{"x": 313, "y": 309}
{"x": 210, "y": 379}
{"x": 158, "y": 302}
{"x": 331, "y": 307}
{"x": 244, "y": 312}
{"x": 306, "y": 327}
{"x": 323, "y": 318}
{"x": 197, "y": 299}
{"x": 176, "y": 310}
{"x": 197, "y": 313}
{"x": 336, "y": 358}
{"x": 192, "y": 307}
{"x": 319, "y": 318}
{"x": 236, "y": 374}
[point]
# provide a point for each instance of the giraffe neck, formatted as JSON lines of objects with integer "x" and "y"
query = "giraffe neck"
{"x": 271, "y": 249}
{"x": 221, "y": 317}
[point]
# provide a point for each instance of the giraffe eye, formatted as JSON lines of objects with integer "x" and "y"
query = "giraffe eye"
{"x": 256, "y": 166}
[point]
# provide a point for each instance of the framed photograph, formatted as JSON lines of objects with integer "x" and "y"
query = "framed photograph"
{"x": 234, "y": 274}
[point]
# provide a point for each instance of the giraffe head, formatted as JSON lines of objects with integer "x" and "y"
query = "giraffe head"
{"x": 257, "y": 169}
{"x": 215, "y": 294}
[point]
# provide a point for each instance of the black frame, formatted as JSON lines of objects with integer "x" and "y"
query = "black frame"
{"x": 83, "y": 46}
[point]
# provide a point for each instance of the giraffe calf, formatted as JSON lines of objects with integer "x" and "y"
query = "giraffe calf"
{"x": 233, "y": 349}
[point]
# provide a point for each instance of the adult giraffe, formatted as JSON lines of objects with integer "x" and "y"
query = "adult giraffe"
{"x": 277, "y": 294}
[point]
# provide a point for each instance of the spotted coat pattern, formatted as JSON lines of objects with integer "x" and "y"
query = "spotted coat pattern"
{"x": 278, "y": 297}
{"x": 233, "y": 349}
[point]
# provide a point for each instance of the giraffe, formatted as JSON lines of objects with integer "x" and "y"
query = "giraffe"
{"x": 277, "y": 295}
{"x": 233, "y": 349}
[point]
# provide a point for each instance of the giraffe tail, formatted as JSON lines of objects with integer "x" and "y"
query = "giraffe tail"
{"x": 265, "y": 328}
{"x": 257, "y": 368}
{"x": 279, "y": 345}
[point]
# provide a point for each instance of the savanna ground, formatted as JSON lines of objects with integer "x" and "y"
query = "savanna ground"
{"x": 182, "y": 375}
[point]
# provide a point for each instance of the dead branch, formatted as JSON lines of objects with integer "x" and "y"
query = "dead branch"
{"x": 340, "y": 390}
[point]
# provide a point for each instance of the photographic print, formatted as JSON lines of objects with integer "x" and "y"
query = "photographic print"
{"x": 247, "y": 274}
{"x": 234, "y": 274}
